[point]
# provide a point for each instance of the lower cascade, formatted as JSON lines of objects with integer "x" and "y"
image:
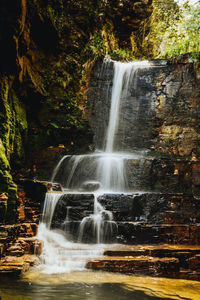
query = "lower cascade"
{"x": 78, "y": 222}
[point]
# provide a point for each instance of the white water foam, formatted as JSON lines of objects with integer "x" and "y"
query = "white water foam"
{"x": 97, "y": 219}
{"x": 62, "y": 256}
{"x": 58, "y": 254}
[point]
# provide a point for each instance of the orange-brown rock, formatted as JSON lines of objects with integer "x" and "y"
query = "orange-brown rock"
{"x": 194, "y": 263}
{"x": 16, "y": 265}
{"x": 188, "y": 257}
{"x": 15, "y": 250}
{"x": 31, "y": 245}
{"x": 142, "y": 233}
{"x": 3, "y": 197}
{"x": 183, "y": 253}
{"x": 28, "y": 229}
{"x": 1, "y": 250}
{"x": 17, "y": 240}
{"x": 146, "y": 265}
{"x": 24, "y": 246}
{"x": 155, "y": 251}
{"x": 189, "y": 275}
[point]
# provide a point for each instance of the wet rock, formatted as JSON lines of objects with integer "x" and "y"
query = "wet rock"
{"x": 31, "y": 245}
{"x": 31, "y": 195}
{"x": 72, "y": 207}
{"x": 1, "y": 250}
{"x": 72, "y": 231}
{"x": 24, "y": 246}
{"x": 15, "y": 250}
{"x": 160, "y": 111}
{"x": 134, "y": 233}
{"x": 36, "y": 189}
{"x": 194, "y": 263}
{"x": 13, "y": 268}
{"x": 153, "y": 208}
{"x": 3, "y": 197}
{"x": 187, "y": 258}
{"x": 161, "y": 267}
{"x": 16, "y": 265}
{"x": 189, "y": 275}
{"x": 120, "y": 205}
{"x": 8, "y": 233}
{"x": 28, "y": 229}
{"x": 175, "y": 176}
{"x": 139, "y": 173}
{"x": 11, "y": 237}
{"x": 90, "y": 186}
{"x": 183, "y": 253}
{"x": 86, "y": 175}
{"x": 137, "y": 218}
{"x": 137, "y": 115}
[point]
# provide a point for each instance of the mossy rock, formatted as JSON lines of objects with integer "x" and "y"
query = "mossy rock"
{"x": 4, "y": 163}
{"x": 3, "y": 211}
{"x": 7, "y": 186}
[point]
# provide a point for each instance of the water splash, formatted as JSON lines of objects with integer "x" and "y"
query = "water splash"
{"x": 51, "y": 199}
{"x": 58, "y": 254}
{"x": 62, "y": 256}
{"x": 99, "y": 220}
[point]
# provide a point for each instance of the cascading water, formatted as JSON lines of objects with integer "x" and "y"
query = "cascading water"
{"x": 98, "y": 221}
{"x": 124, "y": 73}
{"x": 60, "y": 255}
{"x": 99, "y": 173}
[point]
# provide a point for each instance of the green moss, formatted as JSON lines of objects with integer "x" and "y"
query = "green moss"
{"x": 6, "y": 118}
{"x": 20, "y": 111}
{"x": 37, "y": 82}
{"x": 7, "y": 208}
{"x": 6, "y": 183}
{"x": 4, "y": 163}
{"x": 12, "y": 135}
{"x": 20, "y": 127}
{"x": 13, "y": 118}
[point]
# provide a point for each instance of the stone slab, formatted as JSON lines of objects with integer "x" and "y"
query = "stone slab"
{"x": 145, "y": 265}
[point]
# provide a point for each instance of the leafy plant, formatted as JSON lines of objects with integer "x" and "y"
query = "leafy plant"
{"x": 174, "y": 29}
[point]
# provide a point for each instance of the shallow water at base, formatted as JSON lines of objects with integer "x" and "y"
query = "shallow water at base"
{"x": 90, "y": 285}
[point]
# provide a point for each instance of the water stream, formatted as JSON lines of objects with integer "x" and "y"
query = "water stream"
{"x": 96, "y": 286}
{"x": 98, "y": 173}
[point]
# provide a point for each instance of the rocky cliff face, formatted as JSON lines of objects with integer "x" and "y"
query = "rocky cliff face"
{"x": 159, "y": 117}
{"x": 160, "y": 112}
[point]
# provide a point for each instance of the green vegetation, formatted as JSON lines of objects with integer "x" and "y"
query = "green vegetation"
{"x": 174, "y": 30}
{"x": 104, "y": 42}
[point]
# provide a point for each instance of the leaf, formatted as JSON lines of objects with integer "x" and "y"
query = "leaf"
{"x": 54, "y": 125}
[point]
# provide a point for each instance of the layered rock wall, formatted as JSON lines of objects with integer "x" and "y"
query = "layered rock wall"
{"x": 160, "y": 113}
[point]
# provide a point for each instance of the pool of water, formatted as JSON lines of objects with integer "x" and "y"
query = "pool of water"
{"x": 90, "y": 285}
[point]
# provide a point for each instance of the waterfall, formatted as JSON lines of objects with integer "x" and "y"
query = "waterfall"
{"x": 86, "y": 176}
{"x": 50, "y": 202}
{"x": 123, "y": 75}
{"x": 100, "y": 220}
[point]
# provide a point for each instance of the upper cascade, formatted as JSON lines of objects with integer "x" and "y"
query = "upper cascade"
{"x": 106, "y": 170}
{"x": 125, "y": 78}
{"x": 123, "y": 96}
